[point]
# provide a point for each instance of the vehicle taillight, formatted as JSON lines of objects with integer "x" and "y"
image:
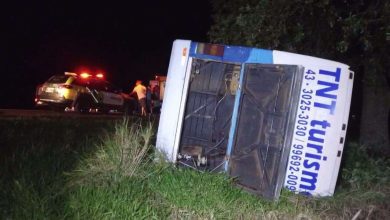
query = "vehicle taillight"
{"x": 100, "y": 76}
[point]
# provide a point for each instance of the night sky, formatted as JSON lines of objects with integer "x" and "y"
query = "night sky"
{"x": 127, "y": 41}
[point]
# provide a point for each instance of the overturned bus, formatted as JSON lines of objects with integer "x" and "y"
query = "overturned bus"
{"x": 269, "y": 119}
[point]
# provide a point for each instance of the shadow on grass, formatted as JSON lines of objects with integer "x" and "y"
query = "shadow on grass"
{"x": 34, "y": 155}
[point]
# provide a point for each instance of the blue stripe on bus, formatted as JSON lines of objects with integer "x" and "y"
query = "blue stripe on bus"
{"x": 234, "y": 120}
{"x": 236, "y": 54}
{"x": 260, "y": 56}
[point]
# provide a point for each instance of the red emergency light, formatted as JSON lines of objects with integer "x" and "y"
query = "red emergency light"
{"x": 100, "y": 76}
{"x": 85, "y": 75}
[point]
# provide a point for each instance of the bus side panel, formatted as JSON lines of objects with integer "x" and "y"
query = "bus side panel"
{"x": 320, "y": 127}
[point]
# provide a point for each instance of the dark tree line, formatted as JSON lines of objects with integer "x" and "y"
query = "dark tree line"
{"x": 355, "y": 32}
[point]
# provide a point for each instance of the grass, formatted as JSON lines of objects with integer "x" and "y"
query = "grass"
{"x": 34, "y": 155}
{"x": 112, "y": 183}
{"x": 121, "y": 155}
{"x": 100, "y": 169}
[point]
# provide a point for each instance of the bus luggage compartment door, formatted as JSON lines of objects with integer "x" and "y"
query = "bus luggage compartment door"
{"x": 264, "y": 126}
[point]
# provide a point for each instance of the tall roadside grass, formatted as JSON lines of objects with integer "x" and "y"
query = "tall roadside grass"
{"x": 123, "y": 154}
{"x": 109, "y": 173}
{"x": 112, "y": 182}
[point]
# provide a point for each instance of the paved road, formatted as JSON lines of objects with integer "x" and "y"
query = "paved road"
{"x": 47, "y": 113}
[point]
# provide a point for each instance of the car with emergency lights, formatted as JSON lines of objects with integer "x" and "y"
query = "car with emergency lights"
{"x": 83, "y": 93}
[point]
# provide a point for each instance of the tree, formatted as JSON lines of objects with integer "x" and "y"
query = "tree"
{"x": 352, "y": 32}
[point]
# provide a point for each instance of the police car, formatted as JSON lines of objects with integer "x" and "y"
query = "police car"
{"x": 83, "y": 93}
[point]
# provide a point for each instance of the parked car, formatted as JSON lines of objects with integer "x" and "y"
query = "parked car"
{"x": 83, "y": 93}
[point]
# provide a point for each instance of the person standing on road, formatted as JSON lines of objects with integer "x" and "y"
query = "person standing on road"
{"x": 140, "y": 90}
